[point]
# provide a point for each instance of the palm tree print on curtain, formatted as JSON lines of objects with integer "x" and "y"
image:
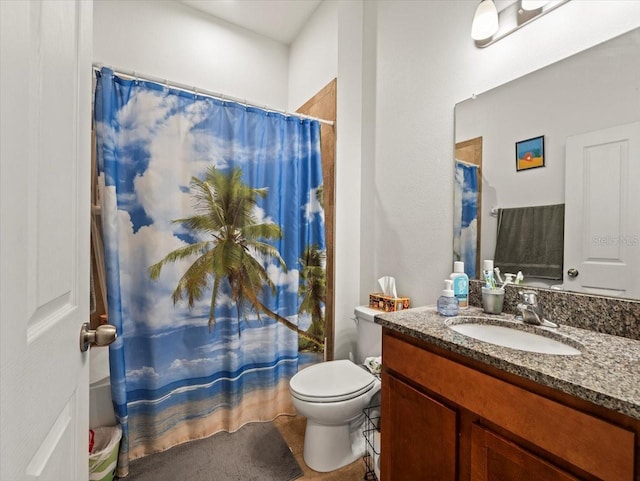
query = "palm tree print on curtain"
{"x": 312, "y": 291}
{"x": 214, "y": 247}
{"x": 224, "y": 213}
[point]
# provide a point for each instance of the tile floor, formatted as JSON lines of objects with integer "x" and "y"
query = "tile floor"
{"x": 292, "y": 430}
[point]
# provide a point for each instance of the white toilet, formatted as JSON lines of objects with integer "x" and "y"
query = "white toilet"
{"x": 332, "y": 396}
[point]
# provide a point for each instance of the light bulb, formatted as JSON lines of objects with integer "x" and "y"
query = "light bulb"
{"x": 485, "y": 21}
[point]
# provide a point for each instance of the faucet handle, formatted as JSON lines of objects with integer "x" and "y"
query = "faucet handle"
{"x": 529, "y": 297}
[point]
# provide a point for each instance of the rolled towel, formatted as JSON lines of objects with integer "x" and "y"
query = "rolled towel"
{"x": 374, "y": 364}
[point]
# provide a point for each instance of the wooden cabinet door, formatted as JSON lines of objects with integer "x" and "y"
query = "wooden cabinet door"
{"x": 495, "y": 458}
{"x": 418, "y": 435}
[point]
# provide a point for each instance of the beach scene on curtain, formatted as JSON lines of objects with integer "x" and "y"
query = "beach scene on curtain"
{"x": 465, "y": 216}
{"x": 214, "y": 243}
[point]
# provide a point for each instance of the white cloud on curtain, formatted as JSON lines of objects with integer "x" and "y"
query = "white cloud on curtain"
{"x": 183, "y": 370}
{"x": 465, "y": 216}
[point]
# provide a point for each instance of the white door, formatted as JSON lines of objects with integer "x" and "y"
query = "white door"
{"x": 602, "y": 216}
{"x": 45, "y": 90}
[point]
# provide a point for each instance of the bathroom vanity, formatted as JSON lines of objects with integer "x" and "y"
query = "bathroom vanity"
{"x": 455, "y": 408}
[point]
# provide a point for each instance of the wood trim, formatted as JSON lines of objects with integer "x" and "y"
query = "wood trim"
{"x": 98, "y": 266}
{"x": 470, "y": 151}
{"x": 585, "y": 441}
{"x": 324, "y": 105}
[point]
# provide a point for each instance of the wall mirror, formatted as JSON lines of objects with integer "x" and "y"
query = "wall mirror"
{"x": 585, "y": 112}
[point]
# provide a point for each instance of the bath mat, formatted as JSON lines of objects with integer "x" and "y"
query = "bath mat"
{"x": 256, "y": 452}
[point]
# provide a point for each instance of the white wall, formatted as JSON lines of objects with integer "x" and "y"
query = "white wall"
{"x": 171, "y": 41}
{"x": 313, "y": 56}
{"x": 349, "y": 169}
{"x": 426, "y": 63}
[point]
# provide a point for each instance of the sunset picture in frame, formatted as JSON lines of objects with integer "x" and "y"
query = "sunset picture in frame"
{"x": 530, "y": 153}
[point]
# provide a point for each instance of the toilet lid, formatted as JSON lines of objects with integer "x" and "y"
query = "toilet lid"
{"x": 331, "y": 381}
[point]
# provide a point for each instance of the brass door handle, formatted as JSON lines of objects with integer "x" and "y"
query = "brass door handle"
{"x": 104, "y": 335}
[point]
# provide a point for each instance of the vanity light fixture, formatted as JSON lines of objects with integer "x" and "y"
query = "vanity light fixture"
{"x": 533, "y": 4}
{"x": 489, "y": 25}
{"x": 485, "y": 21}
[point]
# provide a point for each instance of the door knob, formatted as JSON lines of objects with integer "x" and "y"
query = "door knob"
{"x": 104, "y": 335}
{"x": 573, "y": 273}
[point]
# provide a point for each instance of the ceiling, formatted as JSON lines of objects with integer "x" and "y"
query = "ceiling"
{"x": 280, "y": 20}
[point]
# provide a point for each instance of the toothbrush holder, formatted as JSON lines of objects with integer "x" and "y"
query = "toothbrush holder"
{"x": 492, "y": 300}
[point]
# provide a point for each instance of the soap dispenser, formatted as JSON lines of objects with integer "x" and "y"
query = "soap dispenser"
{"x": 447, "y": 302}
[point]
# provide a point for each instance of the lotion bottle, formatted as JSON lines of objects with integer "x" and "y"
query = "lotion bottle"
{"x": 447, "y": 302}
{"x": 460, "y": 284}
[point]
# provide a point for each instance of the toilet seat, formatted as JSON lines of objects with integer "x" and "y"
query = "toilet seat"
{"x": 331, "y": 381}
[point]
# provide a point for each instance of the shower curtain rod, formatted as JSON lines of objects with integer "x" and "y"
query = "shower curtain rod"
{"x": 133, "y": 75}
{"x": 469, "y": 164}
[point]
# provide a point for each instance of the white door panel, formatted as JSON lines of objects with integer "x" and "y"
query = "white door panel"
{"x": 44, "y": 244}
{"x": 602, "y": 211}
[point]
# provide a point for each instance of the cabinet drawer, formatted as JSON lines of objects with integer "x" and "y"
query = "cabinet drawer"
{"x": 587, "y": 442}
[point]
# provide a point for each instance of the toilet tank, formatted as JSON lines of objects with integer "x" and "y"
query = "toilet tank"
{"x": 369, "y": 333}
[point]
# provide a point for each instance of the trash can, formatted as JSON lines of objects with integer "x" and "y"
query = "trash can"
{"x": 103, "y": 457}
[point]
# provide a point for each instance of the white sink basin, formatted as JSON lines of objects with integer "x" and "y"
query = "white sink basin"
{"x": 514, "y": 338}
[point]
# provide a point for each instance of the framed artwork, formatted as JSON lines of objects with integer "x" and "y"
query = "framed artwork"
{"x": 530, "y": 153}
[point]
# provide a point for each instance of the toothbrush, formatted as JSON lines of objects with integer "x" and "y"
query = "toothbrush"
{"x": 490, "y": 282}
{"x": 497, "y": 271}
{"x": 519, "y": 277}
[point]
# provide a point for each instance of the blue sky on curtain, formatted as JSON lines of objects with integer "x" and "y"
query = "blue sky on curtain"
{"x": 465, "y": 216}
{"x": 214, "y": 244}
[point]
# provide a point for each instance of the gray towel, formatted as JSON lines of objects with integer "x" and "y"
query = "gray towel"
{"x": 531, "y": 240}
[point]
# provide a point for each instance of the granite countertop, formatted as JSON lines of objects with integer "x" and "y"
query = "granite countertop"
{"x": 606, "y": 373}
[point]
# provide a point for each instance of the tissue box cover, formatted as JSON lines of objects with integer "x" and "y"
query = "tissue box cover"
{"x": 387, "y": 303}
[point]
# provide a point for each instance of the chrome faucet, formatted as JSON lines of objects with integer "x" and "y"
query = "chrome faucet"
{"x": 531, "y": 311}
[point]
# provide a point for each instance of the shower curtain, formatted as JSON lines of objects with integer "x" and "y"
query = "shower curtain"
{"x": 465, "y": 216}
{"x": 214, "y": 247}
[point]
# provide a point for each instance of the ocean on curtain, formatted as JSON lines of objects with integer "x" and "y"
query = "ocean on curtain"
{"x": 214, "y": 248}
{"x": 465, "y": 216}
